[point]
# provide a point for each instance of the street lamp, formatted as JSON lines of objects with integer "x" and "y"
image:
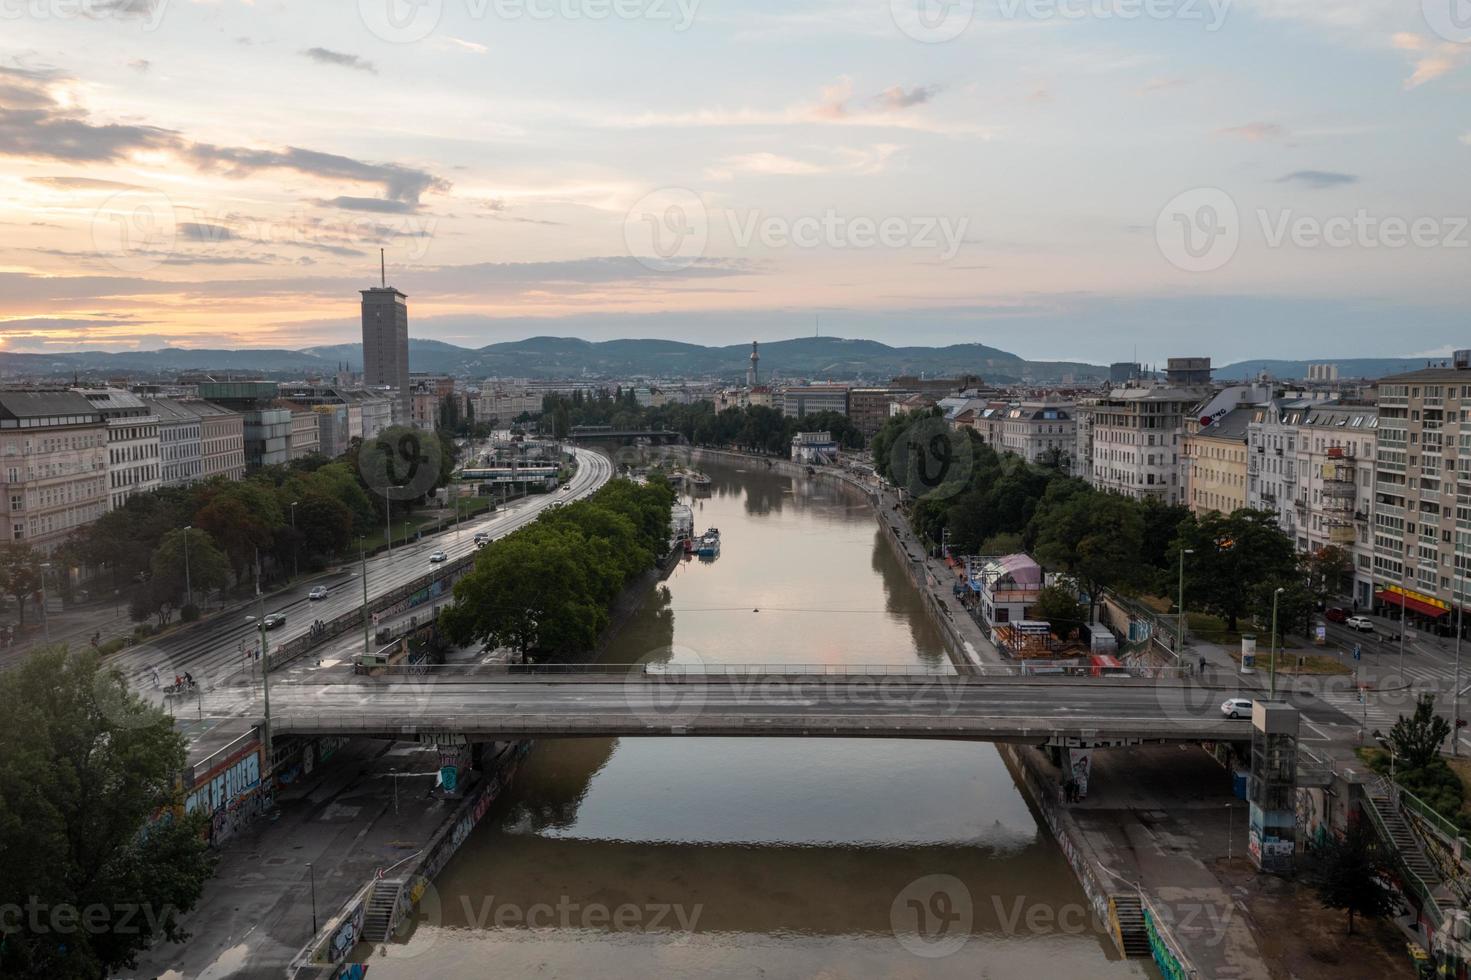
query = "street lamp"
{"x": 1456, "y": 686}
{"x": 363, "y": 551}
{"x": 265, "y": 672}
{"x": 1272, "y": 673}
{"x": 295, "y": 545}
{"x": 188, "y": 586}
{"x": 313, "y": 875}
{"x": 45, "y": 613}
{"x": 1230, "y": 830}
{"x": 1180, "y": 629}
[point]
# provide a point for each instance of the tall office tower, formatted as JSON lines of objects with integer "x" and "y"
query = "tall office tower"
{"x": 386, "y": 342}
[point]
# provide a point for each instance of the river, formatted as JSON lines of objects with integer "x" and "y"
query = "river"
{"x": 753, "y": 858}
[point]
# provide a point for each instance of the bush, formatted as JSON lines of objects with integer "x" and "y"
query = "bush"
{"x": 143, "y": 631}
{"x": 189, "y": 614}
{"x": 112, "y": 646}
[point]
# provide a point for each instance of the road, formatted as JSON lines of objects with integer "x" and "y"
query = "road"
{"x": 212, "y": 650}
{"x": 935, "y": 706}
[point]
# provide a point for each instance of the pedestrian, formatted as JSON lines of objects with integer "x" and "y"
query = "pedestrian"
{"x": 157, "y": 681}
{"x": 1202, "y": 665}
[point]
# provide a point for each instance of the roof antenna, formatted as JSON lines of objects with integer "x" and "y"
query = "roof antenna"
{"x": 383, "y": 268}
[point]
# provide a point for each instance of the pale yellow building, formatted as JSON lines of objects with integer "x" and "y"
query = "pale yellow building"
{"x": 1216, "y": 464}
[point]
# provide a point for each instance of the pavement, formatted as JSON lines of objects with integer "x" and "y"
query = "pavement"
{"x": 256, "y": 913}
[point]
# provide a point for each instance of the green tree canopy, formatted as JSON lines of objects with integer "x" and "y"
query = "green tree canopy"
{"x": 1417, "y": 738}
{"x": 20, "y": 574}
{"x": 1095, "y": 538}
{"x": 1060, "y": 609}
{"x": 87, "y": 783}
{"x": 1234, "y": 556}
{"x": 1348, "y": 873}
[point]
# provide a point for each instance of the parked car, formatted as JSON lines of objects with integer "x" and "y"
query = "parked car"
{"x": 318, "y": 592}
{"x": 438, "y": 557}
{"x": 1335, "y": 614}
{"x": 1359, "y": 623}
{"x": 274, "y": 620}
{"x": 1236, "y": 708}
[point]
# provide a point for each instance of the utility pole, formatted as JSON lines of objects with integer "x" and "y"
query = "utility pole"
{"x": 1180, "y": 628}
{"x": 367, "y": 647}
{"x": 1272, "y": 694}
{"x": 45, "y": 613}
{"x": 295, "y": 545}
{"x": 1456, "y": 688}
{"x": 265, "y": 672}
{"x": 188, "y": 587}
{"x": 1404, "y": 605}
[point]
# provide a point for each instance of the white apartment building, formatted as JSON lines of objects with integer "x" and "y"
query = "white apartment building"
{"x": 1135, "y": 437}
{"x": 53, "y": 466}
{"x": 221, "y": 440}
{"x": 1336, "y": 445}
{"x": 1041, "y": 432}
{"x": 505, "y": 405}
{"x": 180, "y": 443}
{"x": 1272, "y": 440}
{"x": 133, "y": 451}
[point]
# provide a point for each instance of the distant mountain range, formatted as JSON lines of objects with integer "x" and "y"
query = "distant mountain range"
{"x": 817, "y": 358}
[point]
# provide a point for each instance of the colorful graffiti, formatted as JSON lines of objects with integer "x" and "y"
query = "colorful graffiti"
{"x": 231, "y": 794}
{"x": 1164, "y": 957}
{"x": 346, "y": 935}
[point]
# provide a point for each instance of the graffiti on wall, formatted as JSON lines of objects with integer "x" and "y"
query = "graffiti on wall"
{"x": 346, "y": 935}
{"x": 1312, "y": 816}
{"x": 232, "y": 795}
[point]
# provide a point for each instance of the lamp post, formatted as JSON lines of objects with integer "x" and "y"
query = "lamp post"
{"x": 1404, "y": 606}
{"x": 1180, "y": 628}
{"x": 295, "y": 545}
{"x": 1456, "y": 687}
{"x": 363, "y": 550}
{"x": 1272, "y": 673}
{"x": 265, "y": 672}
{"x": 1230, "y": 830}
{"x": 311, "y": 872}
{"x": 188, "y": 585}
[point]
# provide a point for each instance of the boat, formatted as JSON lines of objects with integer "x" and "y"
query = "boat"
{"x": 709, "y": 544}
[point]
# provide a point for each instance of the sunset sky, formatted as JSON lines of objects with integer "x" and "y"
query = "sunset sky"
{"x": 222, "y": 173}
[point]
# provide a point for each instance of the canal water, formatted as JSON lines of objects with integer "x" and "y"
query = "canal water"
{"x": 756, "y": 858}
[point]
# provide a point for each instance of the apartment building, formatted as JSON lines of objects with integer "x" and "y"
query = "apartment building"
{"x": 1336, "y": 446}
{"x": 53, "y": 466}
{"x": 1272, "y": 475}
{"x": 1422, "y": 492}
{"x": 868, "y": 408}
{"x": 1135, "y": 441}
{"x": 133, "y": 451}
{"x": 800, "y": 401}
{"x": 306, "y": 440}
{"x": 1040, "y": 432}
{"x": 267, "y": 428}
{"x": 506, "y": 404}
{"x": 180, "y": 442}
{"x": 1216, "y": 468}
{"x": 221, "y": 440}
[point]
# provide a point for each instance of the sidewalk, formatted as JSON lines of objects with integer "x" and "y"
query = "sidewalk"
{"x": 256, "y": 912}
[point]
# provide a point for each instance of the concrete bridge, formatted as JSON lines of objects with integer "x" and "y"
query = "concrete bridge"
{"x": 723, "y": 702}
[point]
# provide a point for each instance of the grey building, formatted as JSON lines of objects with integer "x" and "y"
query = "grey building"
{"x": 180, "y": 440}
{"x": 386, "y": 343}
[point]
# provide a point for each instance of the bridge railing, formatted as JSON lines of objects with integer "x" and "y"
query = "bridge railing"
{"x": 719, "y": 670}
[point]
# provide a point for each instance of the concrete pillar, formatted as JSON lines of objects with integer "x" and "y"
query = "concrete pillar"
{"x": 1271, "y": 791}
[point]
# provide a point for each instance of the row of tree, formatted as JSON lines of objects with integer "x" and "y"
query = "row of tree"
{"x": 988, "y": 502}
{"x": 546, "y": 590}
{"x": 303, "y": 514}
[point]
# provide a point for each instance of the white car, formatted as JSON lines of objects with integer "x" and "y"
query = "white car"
{"x": 482, "y": 536}
{"x": 438, "y": 557}
{"x": 318, "y": 592}
{"x": 1236, "y": 708}
{"x": 1359, "y": 624}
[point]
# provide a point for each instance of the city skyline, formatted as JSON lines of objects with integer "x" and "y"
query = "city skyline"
{"x": 1031, "y": 170}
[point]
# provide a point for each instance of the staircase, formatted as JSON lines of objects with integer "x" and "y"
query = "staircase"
{"x": 1128, "y": 917}
{"x": 381, "y": 906}
{"x": 1411, "y": 855}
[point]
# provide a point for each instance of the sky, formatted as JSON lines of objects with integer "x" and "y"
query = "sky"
{"x": 1065, "y": 179}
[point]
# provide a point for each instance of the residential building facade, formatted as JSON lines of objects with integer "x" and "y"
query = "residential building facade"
{"x": 1043, "y": 432}
{"x": 133, "y": 452}
{"x": 221, "y": 440}
{"x": 1136, "y": 442}
{"x": 1216, "y": 464}
{"x": 802, "y": 400}
{"x": 180, "y": 442}
{"x": 53, "y": 466}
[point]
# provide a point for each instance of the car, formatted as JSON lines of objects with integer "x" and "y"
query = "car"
{"x": 318, "y": 592}
{"x": 482, "y": 536}
{"x": 274, "y": 620}
{"x": 438, "y": 557}
{"x": 1359, "y": 624}
{"x": 1236, "y": 708}
{"x": 1335, "y": 614}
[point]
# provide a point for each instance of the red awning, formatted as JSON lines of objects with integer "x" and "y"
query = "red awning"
{"x": 1414, "y": 605}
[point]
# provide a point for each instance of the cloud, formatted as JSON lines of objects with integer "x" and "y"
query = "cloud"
{"x": 870, "y": 160}
{"x": 325, "y": 56}
{"x": 1431, "y": 59}
{"x": 82, "y": 184}
{"x": 371, "y": 204}
{"x": 1162, "y": 85}
{"x": 898, "y": 98}
{"x": 1255, "y": 132}
{"x": 33, "y": 124}
{"x": 1318, "y": 179}
{"x": 196, "y": 231}
{"x": 464, "y": 45}
{"x": 141, "y": 65}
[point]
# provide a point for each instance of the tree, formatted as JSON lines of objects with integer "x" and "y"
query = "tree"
{"x": 1235, "y": 556}
{"x": 88, "y": 832}
{"x": 1059, "y": 608}
{"x": 1418, "y": 738}
{"x": 1330, "y": 573}
{"x": 326, "y": 523}
{"x": 20, "y": 574}
{"x": 1348, "y": 873}
{"x": 1095, "y": 538}
{"x": 561, "y": 421}
{"x": 168, "y": 585}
